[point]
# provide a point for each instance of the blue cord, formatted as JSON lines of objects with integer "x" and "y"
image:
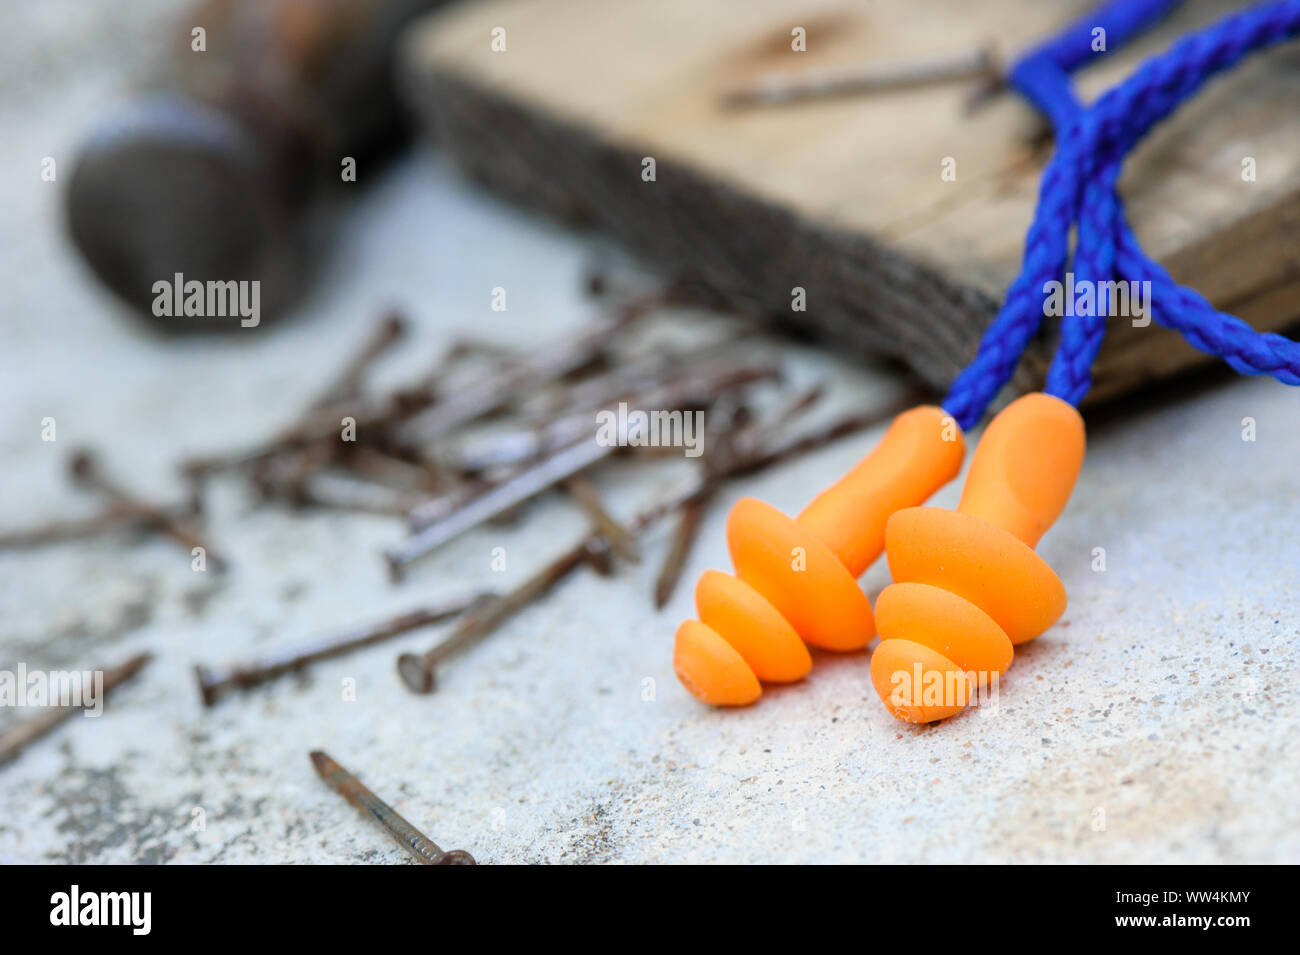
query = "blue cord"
{"x": 1078, "y": 190}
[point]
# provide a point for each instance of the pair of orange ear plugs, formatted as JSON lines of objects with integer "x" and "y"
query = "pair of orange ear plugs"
{"x": 968, "y": 584}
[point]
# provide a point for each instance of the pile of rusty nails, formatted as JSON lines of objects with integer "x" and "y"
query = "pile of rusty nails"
{"x": 550, "y": 401}
{"x": 394, "y": 463}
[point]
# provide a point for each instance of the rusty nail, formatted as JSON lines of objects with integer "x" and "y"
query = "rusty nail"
{"x": 407, "y": 836}
{"x": 778, "y": 88}
{"x": 17, "y": 739}
{"x": 85, "y": 470}
{"x": 492, "y": 393}
{"x": 559, "y": 466}
{"x": 688, "y": 525}
{"x": 496, "y": 501}
{"x": 489, "y": 612}
{"x": 55, "y": 532}
{"x": 393, "y": 471}
{"x": 583, "y": 490}
{"x": 214, "y": 683}
{"x": 387, "y": 330}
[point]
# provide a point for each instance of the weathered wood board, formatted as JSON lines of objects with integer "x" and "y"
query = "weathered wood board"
{"x": 844, "y": 197}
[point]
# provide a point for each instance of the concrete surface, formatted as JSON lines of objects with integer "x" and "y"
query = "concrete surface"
{"x": 1157, "y": 722}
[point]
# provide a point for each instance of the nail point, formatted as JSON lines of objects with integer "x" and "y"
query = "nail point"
{"x": 207, "y": 690}
{"x": 321, "y": 760}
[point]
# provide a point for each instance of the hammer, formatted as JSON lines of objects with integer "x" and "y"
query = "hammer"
{"x": 222, "y": 170}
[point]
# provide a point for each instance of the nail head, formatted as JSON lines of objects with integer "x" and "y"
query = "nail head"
{"x": 415, "y": 673}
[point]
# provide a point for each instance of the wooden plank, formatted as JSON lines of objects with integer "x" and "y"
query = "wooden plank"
{"x": 844, "y": 197}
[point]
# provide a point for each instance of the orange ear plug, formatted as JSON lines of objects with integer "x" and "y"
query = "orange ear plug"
{"x": 796, "y": 580}
{"x": 968, "y": 583}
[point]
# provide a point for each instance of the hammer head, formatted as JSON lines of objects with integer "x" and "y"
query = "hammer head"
{"x": 173, "y": 186}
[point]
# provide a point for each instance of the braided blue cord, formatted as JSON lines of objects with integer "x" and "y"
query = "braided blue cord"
{"x": 1078, "y": 189}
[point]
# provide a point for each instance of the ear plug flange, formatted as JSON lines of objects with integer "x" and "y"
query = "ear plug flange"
{"x": 968, "y": 583}
{"x": 796, "y": 580}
